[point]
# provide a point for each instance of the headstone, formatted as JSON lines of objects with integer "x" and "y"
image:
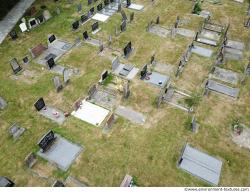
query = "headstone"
{"x": 51, "y": 38}
{"x": 30, "y": 160}
{"x": 23, "y": 27}
{"x": 152, "y": 60}
{"x": 92, "y": 91}
{"x": 115, "y": 63}
{"x": 58, "y": 11}
{"x": 84, "y": 18}
{"x": 16, "y": 131}
{"x": 15, "y": 66}
{"x": 110, "y": 41}
{"x": 3, "y": 103}
{"x": 127, "y": 50}
{"x": 123, "y": 26}
{"x": 109, "y": 124}
{"x": 144, "y": 71}
{"x": 101, "y": 48}
{"x": 75, "y": 25}
{"x": 95, "y": 26}
{"x": 195, "y": 125}
{"x": 26, "y": 60}
{"x": 99, "y": 7}
{"x": 33, "y": 23}
{"x": 79, "y": 7}
{"x": 46, "y": 15}
{"x": 46, "y": 141}
{"x": 13, "y": 35}
{"x": 40, "y": 104}
{"x": 40, "y": 19}
{"x": 57, "y": 83}
{"x": 85, "y": 35}
{"x": 119, "y": 7}
{"x": 131, "y": 17}
{"x": 157, "y": 20}
{"x": 126, "y": 90}
{"x": 124, "y": 16}
{"x": 58, "y": 183}
{"x": 128, "y": 3}
{"x": 104, "y": 75}
{"x": 66, "y": 76}
{"x": 51, "y": 63}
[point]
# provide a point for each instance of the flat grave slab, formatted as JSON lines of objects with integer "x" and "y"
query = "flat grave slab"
{"x": 128, "y": 74}
{"x": 206, "y": 41}
{"x": 225, "y": 75}
{"x": 223, "y": 89}
{"x": 94, "y": 42}
{"x": 201, "y": 165}
{"x": 53, "y": 114}
{"x": 233, "y": 54}
{"x": 100, "y": 17}
{"x": 157, "y": 79}
{"x": 186, "y": 32}
{"x": 63, "y": 153}
{"x": 210, "y": 35}
{"x": 235, "y": 45}
{"x": 130, "y": 114}
{"x": 213, "y": 27}
{"x": 58, "y": 69}
{"x": 202, "y": 51}
{"x": 109, "y": 11}
{"x": 136, "y": 7}
{"x": 91, "y": 113}
{"x": 3, "y": 103}
{"x": 160, "y": 31}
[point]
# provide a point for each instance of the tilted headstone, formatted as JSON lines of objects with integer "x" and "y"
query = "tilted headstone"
{"x": 57, "y": 83}
{"x": 131, "y": 17}
{"x": 30, "y": 160}
{"x": 124, "y": 16}
{"x": 16, "y": 131}
{"x": 115, "y": 63}
{"x": 144, "y": 71}
{"x": 126, "y": 90}
{"x": 15, "y": 66}
{"x": 3, "y": 103}
{"x": 46, "y": 15}
{"x": 157, "y": 20}
{"x": 92, "y": 91}
{"x": 66, "y": 76}
{"x": 152, "y": 60}
{"x": 194, "y": 125}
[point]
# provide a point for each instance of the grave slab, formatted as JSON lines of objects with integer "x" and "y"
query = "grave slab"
{"x": 225, "y": 75}
{"x": 235, "y": 45}
{"x": 213, "y": 27}
{"x": 160, "y": 31}
{"x": 157, "y": 79}
{"x": 129, "y": 74}
{"x": 136, "y": 7}
{"x": 94, "y": 42}
{"x": 223, "y": 89}
{"x": 100, "y": 17}
{"x": 206, "y": 41}
{"x": 91, "y": 113}
{"x": 201, "y": 165}
{"x": 210, "y": 35}
{"x": 130, "y": 114}
{"x": 186, "y": 32}
{"x": 53, "y": 114}
{"x": 62, "y": 153}
{"x": 202, "y": 51}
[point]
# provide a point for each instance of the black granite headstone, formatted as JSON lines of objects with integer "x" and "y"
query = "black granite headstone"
{"x": 39, "y": 104}
{"x": 46, "y": 141}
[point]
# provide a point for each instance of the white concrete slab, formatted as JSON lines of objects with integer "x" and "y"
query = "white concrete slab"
{"x": 136, "y": 7}
{"x": 100, "y": 17}
{"x": 91, "y": 113}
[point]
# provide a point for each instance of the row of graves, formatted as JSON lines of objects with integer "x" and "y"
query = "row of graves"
{"x": 156, "y": 28}
{"x": 222, "y": 80}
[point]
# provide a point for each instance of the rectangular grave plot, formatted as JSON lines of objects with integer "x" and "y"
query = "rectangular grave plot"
{"x": 226, "y": 75}
{"x": 223, "y": 89}
{"x": 104, "y": 99}
{"x": 50, "y": 55}
{"x": 159, "y": 31}
{"x": 15, "y": 66}
{"x": 53, "y": 114}
{"x": 130, "y": 114}
{"x": 63, "y": 153}
{"x": 157, "y": 79}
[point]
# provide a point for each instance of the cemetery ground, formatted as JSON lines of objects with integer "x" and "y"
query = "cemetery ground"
{"x": 148, "y": 152}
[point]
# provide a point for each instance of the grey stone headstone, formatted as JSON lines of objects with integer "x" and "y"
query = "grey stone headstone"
{"x": 92, "y": 91}
{"x": 57, "y": 83}
{"x": 126, "y": 90}
{"x": 30, "y": 160}
{"x": 15, "y": 66}
{"x": 16, "y": 131}
{"x": 195, "y": 125}
{"x": 131, "y": 17}
{"x": 3, "y": 103}
{"x": 46, "y": 15}
{"x": 115, "y": 63}
{"x": 66, "y": 76}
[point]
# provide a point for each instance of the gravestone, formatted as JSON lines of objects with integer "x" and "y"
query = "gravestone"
{"x": 128, "y": 3}
{"x": 144, "y": 72}
{"x": 75, "y": 25}
{"x": 119, "y": 7}
{"x": 123, "y": 26}
{"x": 32, "y": 23}
{"x": 124, "y": 16}
{"x": 16, "y": 131}
{"x": 126, "y": 90}
{"x": 58, "y": 11}
{"x": 66, "y": 76}
{"x": 127, "y": 50}
{"x": 104, "y": 75}
{"x": 3, "y": 103}
{"x": 115, "y": 63}
{"x": 110, "y": 41}
{"x": 15, "y": 66}
{"x": 79, "y": 7}
{"x": 131, "y": 17}
{"x": 152, "y": 60}
{"x": 40, "y": 19}
{"x": 101, "y": 48}
{"x": 51, "y": 63}
{"x": 95, "y": 27}
{"x": 84, "y": 18}
{"x": 58, "y": 183}
{"x": 57, "y": 83}
{"x": 85, "y": 35}
{"x": 194, "y": 125}
{"x": 46, "y": 15}
{"x": 46, "y": 141}
{"x": 30, "y": 160}
{"x": 40, "y": 104}
{"x": 157, "y": 20}
{"x": 26, "y": 60}
{"x": 109, "y": 124}
{"x": 92, "y": 91}
{"x": 13, "y": 35}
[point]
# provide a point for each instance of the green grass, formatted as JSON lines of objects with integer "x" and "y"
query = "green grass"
{"x": 148, "y": 152}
